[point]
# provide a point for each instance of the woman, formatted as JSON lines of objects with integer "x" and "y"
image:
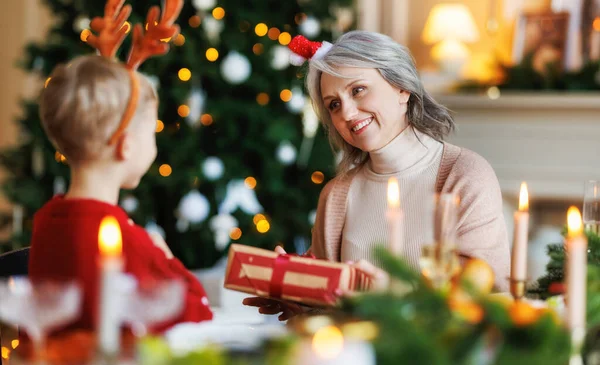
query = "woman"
{"x": 366, "y": 90}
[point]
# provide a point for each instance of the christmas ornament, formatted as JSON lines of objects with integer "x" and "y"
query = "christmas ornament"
{"x": 196, "y": 104}
{"x": 280, "y": 57}
{"x": 194, "y": 207}
{"x": 213, "y": 28}
{"x": 479, "y": 274}
{"x": 296, "y": 104}
{"x": 80, "y": 23}
{"x": 312, "y": 217}
{"x": 213, "y": 168}
{"x": 130, "y": 203}
{"x": 310, "y": 27}
{"x": 203, "y": 5}
{"x": 286, "y": 153}
{"x": 238, "y": 195}
{"x": 235, "y": 68}
{"x": 59, "y": 185}
{"x": 151, "y": 227}
{"x": 221, "y": 225}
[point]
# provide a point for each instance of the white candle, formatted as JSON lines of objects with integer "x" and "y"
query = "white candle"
{"x": 111, "y": 266}
{"x": 329, "y": 347}
{"x": 576, "y": 270}
{"x": 595, "y": 42}
{"x": 519, "y": 250}
{"x": 394, "y": 217}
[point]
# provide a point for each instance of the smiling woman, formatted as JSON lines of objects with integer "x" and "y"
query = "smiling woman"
{"x": 366, "y": 90}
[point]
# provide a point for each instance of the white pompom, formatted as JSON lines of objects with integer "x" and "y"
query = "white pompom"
{"x": 310, "y": 27}
{"x": 203, "y": 5}
{"x": 196, "y": 104}
{"x": 130, "y": 203}
{"x": 286, "y": 153}
{"x": 221, "y": 225}
{"x": 296, "y": 104}
{"x": 280, "y": 57}
{"x": 213, "y": 168}
{"x": 152, "y": 227}
{"x": 296, "y": 59}
{"x": 235, "y": 68}
{"x": 194, "y": 207}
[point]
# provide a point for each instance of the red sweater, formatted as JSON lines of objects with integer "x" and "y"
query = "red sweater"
{"x": 65, "y": 246}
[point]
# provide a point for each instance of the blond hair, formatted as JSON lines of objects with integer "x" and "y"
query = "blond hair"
{"x": 364, "y": 49}
{"x": 83, "y": 103}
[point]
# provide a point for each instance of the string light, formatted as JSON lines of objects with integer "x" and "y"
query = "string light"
{"x": 244, "y": 26}
{"x": 159, "y": 126}
{"x": 195, "y": 21}
{"x": 5, "y": 352}
{"x": 258, "y": 49}
{"x": 46, "y": 82}
{"x": 184, "y": 74}
{"x": 261, "y": 29}
{"x": 235, "y": 234}
{"x": 262, "y": 99}
{"x": 180, "y": 40}
{"x": 285, "y": 95}
{"x": 128, "y": 26}
{"x": 85, "y": 34}
{"x": 317, "y": 177}
{"x": 14, "y": 344}
{"x": 212, "y": 54}
{"x": 273, "y": 34}
{"x": 285, "y": 38}
{"x": 206, "y": 119}
{"x": 165, "y": 170}
{"x": 218, "y": 13}
{"x": 250, "y": 182}
{"x": 258, "y": 217}
{"x": 59, "y": 157}
{"x": 183, "y": 111}
{"x": 263, "y": 226}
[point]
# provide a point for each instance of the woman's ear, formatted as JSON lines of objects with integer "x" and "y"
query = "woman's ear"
{"x": 404, "y": 96}
{"x": 123, "y": 148}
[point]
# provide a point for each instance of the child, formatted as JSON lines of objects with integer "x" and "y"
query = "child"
{"x": 101, "y": 115}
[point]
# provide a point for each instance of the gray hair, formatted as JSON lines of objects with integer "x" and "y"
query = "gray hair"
{"x": 363, "y": 49}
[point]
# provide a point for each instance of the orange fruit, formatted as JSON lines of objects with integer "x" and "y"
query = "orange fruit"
{"x": 479, "y": 274}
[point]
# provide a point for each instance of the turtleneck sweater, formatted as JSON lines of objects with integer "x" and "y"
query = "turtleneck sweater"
{"x": 414, "y": 159}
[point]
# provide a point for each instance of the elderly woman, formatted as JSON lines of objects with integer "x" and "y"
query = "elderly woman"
{"x": 366, "y": 90}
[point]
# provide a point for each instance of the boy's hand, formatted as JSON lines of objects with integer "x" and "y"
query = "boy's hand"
{"x": 160, "y": 243}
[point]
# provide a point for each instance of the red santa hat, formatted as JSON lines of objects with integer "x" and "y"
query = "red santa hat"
{"x": 303, "y": 50}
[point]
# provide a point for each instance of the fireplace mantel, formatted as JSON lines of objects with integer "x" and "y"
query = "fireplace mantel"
{"x": 550, "y": 140}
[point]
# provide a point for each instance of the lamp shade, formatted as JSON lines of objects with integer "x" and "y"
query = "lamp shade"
{"x": 450, "y": 21}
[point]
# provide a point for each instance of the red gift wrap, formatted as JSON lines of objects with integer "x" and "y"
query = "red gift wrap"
{"x": 299, "y": 279}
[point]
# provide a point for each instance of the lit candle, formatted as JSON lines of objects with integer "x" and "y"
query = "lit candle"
{"x": 111, "y": 265}
{"x": 329, "y": 347}
{"x": 595, "y": 40}
{"x": 576, "y": 271}
{"x": 394, "y": 217}
{"x": 518, "y": 270}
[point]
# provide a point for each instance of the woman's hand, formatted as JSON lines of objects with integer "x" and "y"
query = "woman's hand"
{"x": 272, "y": 306}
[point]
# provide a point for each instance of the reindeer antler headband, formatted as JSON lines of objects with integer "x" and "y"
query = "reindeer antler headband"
{"x": 112, "y": 31}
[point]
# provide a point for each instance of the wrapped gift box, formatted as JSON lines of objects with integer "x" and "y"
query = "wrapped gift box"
{"x": 299, "y": 279}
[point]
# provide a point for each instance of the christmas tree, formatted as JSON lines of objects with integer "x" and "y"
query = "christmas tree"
{"x": 241, "y": 156}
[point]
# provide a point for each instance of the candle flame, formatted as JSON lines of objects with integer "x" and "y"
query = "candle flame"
{"x": 393, "y": 193}
{"x": 328, "y": 342}
{"x": 524, "y": 198}
{"x": 574, "y": 224}
{"x": 109, "y": 237}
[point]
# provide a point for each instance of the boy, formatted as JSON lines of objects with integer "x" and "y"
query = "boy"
{"x": 106, "y": 130}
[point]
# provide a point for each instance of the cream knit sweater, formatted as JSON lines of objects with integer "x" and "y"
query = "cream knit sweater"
{"x": 350, "y": 214}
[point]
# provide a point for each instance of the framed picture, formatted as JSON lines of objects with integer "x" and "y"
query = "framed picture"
{"x": 543, "y": 37}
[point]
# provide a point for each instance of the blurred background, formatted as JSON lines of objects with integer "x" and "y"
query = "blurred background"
{"x": 242, "y": 158}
